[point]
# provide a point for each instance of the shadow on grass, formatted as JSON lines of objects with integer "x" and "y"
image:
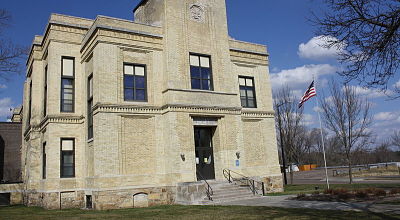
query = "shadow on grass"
{"x": 188, "y": 212}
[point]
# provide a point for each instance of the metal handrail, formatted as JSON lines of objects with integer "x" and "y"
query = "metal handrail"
{"x": 251, "y": 183}
{"x": 209, "y": 190}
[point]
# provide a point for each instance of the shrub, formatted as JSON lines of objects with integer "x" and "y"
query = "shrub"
{"x": 394, "y": 191}
{"x": 301, "y": 196}
{"x": 328, "y": 191}
{"x": 370, "y": 190}
{"x": 340, "y": 191}
{"x": 380, "y": 192}
{"x": 316, "y": 193}
{"x": 361, "y": 194}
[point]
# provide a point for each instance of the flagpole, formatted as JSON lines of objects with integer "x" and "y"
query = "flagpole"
{"x": 322, "y": 135}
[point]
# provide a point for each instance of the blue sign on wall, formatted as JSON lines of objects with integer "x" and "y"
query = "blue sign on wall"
{"x": 237, "y": 163}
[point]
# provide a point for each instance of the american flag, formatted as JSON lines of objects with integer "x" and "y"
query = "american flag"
{"x": 311, "y": 92}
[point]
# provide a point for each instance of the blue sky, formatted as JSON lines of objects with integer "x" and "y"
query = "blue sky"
{"x": 281, "y": 25}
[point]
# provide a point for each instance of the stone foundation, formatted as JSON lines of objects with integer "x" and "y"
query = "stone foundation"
{"x": 190, "y": 193}
{"x": 273, "y": 184}
{"x": 103, "y": 200}
{"x": 15, "y": 190}
{"x": 134, "y": 198}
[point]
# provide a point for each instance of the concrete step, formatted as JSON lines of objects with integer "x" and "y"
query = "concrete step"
{"x": 221, "y": 201}
{"x": 225, "y": 192}
{"x": 231, "y": 196}
{"x": 237, "y": 191}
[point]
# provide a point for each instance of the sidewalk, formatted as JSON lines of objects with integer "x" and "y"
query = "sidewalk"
{"x": 285, "y": 202}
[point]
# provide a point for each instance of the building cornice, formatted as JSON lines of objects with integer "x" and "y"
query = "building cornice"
{"x": 192, "y": 109}
{"x": 61, "y": 119}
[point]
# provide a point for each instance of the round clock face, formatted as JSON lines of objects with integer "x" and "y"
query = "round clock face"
{"x": 197, "y": 13}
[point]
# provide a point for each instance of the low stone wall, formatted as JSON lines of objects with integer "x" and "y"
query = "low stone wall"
{"x": 55, "y": 200}
{"x": 16, "y": 192}
{"x": 190, "y": 193}
{"x": 133, "y": 198}
{"x": 102, "y": 200}
{"x": 273, "y": 184}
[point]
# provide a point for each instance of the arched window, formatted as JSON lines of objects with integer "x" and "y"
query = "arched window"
{"x": 140, "y": 200}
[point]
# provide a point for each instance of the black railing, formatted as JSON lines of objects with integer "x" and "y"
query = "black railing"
{"x": 209, "y": 190}
{"x": 234, "y": 177}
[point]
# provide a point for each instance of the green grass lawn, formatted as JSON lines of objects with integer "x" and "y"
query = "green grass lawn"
{"x": 186, "y": 212}
{"x": 310, "y": 188}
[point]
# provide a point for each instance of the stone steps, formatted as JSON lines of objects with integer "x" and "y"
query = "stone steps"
{"x": 226, "y": 192}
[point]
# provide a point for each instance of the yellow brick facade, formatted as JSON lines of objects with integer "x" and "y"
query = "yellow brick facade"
{"x": 138, "y": 147}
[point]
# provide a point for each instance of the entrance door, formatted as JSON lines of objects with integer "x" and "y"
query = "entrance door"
{"x": 204, "y": 153}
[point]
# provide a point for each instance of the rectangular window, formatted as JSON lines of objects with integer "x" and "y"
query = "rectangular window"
{"x": 67, "y": 164}
{"x": 90, "y": 106}
{"x": 200, "y": 72}
{"x": 44, "y": 161}
{"x": 45, "y": 92}
{"x": 247, "y": 92}
{"x": 135, "y": 82}
{"x": 67, "y": 84}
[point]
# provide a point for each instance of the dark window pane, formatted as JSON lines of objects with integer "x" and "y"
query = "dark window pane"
{"x": 67, "y": 166}
{"x": 243, "y": 102}
{"x": 128, "y": 94}
{"x": 250, "y": 92}
{"x": 140, "y": 94}
{"x": 128, "y": 81}
{"x": 139, "y": 82}
{"x": 67, "y": 95}
{"x": 67, "y": 83}
{"x": 68, "y": 171}
{"x": 205, "y": 84}
{"x": 67, "y": 107}
{"x": 68, "y": 159}
{"x": 196, "y": 84}
{"x": 195, "y": 72}
{"x": 252, "y": 103}
{"x": 242, "y": 93}
{"x": 205, "y": 73}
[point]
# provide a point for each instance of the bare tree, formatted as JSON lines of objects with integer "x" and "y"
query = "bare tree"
{"x": 368, "y": 31}
{"x": 347, "y": 115}
{"x": 288, "y": 117}
{"x": 10, "y": 53}
{"x": 396, "y": 139}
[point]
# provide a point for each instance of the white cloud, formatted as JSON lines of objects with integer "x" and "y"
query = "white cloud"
{"x": 308, "y": 119}
{"x": 397, "y": 85}
{"x": 2, "y": 86}
{"x": 318, "y": 109}
{"x": 5, "y": 105}
{"x": 387, "y": 116}
{"x": 315, "y": 48}
{"x": 371, "y": 92}
{"x": 299, "y": 78}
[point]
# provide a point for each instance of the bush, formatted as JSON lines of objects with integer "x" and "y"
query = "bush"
{"x": 394, "y": 191}
{"x": 328, "y": 191}
{"x": 370, "y": 190}
{"x": 361, "y": 194}
{"x": 301, "y": 196}
{"x": 338, "y": 192}
{"x": 316, "y": 193}
{"x": 380, "y": 192}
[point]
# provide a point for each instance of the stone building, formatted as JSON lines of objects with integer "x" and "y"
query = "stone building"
{"x": 121, "y": 113}
{"x": 10, "y": 154}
